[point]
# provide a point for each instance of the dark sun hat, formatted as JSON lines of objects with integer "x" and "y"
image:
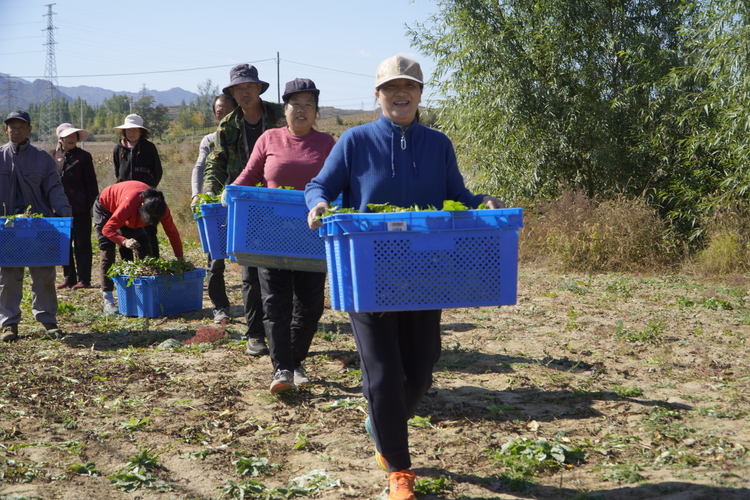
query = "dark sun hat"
{"x": 299, "y": 85}
{"x": 244, "y": 73}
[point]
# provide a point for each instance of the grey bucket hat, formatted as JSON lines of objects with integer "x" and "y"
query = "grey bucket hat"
{"x": 244, "y": 73}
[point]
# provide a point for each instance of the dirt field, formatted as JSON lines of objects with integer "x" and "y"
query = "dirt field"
{"x": 638, "y": 384}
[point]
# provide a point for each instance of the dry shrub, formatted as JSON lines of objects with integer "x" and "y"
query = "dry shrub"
{"x": 727, "y": 248}
{"x": 581, "y": 234}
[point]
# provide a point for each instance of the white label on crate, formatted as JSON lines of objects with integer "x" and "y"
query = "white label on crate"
{"x": 399, "y": 225}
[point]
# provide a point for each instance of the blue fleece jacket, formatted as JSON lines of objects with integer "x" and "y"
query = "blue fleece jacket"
{"x": 381, "y": 162}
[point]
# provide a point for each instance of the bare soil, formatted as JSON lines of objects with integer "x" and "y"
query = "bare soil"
{"x": 647, "y": 375}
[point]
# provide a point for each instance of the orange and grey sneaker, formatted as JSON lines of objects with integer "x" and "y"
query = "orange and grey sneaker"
{"x": 379, "y": 459}
{"x": 401, "y": 485}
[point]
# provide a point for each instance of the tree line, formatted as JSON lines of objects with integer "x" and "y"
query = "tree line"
{"x": 101, "y": 119}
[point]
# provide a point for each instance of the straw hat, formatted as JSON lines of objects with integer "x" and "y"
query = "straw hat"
{"x": 132, "y": 121}
{"x": 66, "y": 129}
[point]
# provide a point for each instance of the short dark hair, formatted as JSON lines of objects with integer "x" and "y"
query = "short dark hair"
{"x": 223, "y": 97}
{"x": 154, "y": 207}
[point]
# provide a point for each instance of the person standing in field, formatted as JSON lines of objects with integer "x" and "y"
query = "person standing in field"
{"x": 235, "y": 139}
{"x": 137, "y": 159}
{"x": 223, "y": 105}
{"x": 293, "y": 301}
{"x": 217, "y": 293}
{"x": 393, "y": 160}
{"x": 122, "y": 212}
{"x": 76, "y": 169}
{"x": 28, "y": 179}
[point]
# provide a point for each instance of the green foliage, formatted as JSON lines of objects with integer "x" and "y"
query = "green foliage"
{"x": 142, "y": 463}
{"x": 422, "y": 422}
{"x": 205, "y": 199}
{"x": 87, "y": 469}
{"x": 136, "y": 475}
{"x": 627, "y": 392}
{"x": 703, "y": 133}
{"x": 525, "y": 458}
{"x": 252, "y": 466}
{"x": 651, "y": 334}
{"x": 384, "y": 208}
{"x": 302, "y": 486}
{"x": 432, "y": 486}
{"x": 135, "y": 424}
{"x": 627, "y": 473}
{"x": 25, "y": 215}
{"x": 150, "y": 266}
{"x": 570, "y": 82}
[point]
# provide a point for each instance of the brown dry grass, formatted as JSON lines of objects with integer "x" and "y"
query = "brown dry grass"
{"x": 577, "y": 233}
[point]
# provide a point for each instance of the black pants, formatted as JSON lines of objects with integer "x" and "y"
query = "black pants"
{"x": 107, "y": 246}
{"x": 293, "y": 303}
{"x": 251, "y": 300}
{"x": 397, "y": 351}
{"x": 79, "y": 269}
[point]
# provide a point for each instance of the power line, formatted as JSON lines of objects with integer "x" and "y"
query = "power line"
{"x": 148, "y": 72}
{"x": 327, "y": 69}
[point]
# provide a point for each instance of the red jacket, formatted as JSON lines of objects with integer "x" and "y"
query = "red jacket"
{"x": 123, "y": 200}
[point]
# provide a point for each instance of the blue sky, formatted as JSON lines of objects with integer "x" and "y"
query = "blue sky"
{"x": 337, "y": 43}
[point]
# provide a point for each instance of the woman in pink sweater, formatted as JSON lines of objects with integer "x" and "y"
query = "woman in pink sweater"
{"x": 292, "y": 300}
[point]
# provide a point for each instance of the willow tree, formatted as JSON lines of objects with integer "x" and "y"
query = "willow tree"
{"x": 543, "y": 93}
{"x": 705, "y": 132}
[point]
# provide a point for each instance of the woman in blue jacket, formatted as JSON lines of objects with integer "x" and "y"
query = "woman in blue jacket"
{"x": 393, "y": 160}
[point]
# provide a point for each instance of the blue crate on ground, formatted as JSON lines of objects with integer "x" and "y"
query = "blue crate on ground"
{"x": 422, "y": 260}
{"x": 268, "y": 228}
{"x": 35, "y": 241}
{"x": 154, "y": 296}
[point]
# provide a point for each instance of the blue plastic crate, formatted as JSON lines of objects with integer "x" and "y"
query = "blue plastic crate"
{"x": 201, "y": 233}
{"x": 35, "y": 241}
{"x": 212, "y": 227}
{"x": 268, "y": 228}
{"x": 422, "y": 260}
{"x": 154, "y": 296}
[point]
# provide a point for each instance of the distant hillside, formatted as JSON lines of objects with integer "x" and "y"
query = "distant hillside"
{"x": 25, "y": 92}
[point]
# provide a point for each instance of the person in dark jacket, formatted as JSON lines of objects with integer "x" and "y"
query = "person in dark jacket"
{"x": 76, "y": 169}
{"x": 28, "y": 181}
{"x": 136, "y": 159}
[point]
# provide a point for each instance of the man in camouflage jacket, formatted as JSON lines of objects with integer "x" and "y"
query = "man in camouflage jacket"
{"x": 232, "y": 145}
{"x": 235, "y": 138}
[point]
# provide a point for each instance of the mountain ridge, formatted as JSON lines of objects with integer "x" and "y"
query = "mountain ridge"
{"x": 25, "y": 92}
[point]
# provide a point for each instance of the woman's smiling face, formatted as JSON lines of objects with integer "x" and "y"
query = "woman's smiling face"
{"x": 300, "y": 112}
{"x": 399, "y": 100}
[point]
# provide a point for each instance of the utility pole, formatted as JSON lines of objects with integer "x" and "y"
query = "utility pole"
{"x": 49, "y": 118}
{"x": 278, "y": 78}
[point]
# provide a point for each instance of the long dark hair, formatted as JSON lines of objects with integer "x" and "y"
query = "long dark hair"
{"x": 154, "y": 207}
